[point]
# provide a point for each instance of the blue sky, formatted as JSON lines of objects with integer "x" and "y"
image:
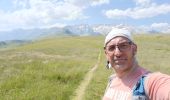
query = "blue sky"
{"x": 47, "y": 13}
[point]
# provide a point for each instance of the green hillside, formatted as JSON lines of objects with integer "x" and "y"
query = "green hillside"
{"x": 52, "y": 69}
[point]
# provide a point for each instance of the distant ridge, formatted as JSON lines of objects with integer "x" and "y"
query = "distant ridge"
{"x": 71, "y": 30}
{"x": 12, "y": 43}
{"x": 30, "y": 34}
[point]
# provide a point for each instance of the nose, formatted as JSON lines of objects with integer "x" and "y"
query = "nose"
{"x": 117, "y": 51}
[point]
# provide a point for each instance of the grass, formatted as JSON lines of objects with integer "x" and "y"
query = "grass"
{"x": 52, "y": 69}
{"x": 48, "y": 69}
{"x": 154, "y": 52}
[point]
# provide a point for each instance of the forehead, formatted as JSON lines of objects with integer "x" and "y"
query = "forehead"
{"x": 118, "y": 40}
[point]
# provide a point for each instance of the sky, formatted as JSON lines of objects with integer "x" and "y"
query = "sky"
{"x": 29, "y": 14}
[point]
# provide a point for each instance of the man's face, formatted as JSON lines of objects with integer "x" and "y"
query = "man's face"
{"x": 120, "y": 53}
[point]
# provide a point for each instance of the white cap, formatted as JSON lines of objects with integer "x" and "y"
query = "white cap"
{"x": 115, "y": 32}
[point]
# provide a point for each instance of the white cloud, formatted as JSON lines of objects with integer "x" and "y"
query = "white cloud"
{"x": 116, "y": 13}
{"x": 99, "y": 2}
{"x": 37, "y": 13}
{"x": 143, "y": 3}
{"x": 20, "y": 3}
{"x": 146, "y": 9}
{"x": 56, "y": 10}
{"x": 159, "y": 25}
{"x": 86, "y": 3}
{"x": 154, "y": 27}
{"x": 162, "y": 27}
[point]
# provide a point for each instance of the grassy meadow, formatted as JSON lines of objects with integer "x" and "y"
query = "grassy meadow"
{"x": 52, "y": 69}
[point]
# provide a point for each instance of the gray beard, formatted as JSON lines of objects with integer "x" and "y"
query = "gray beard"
{"x": 122, "y": 66}
{"x": 119, "y": 66}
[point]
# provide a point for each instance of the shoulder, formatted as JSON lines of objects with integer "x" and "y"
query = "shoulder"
{"x": 111, "y": 77}
{"x": 152, "y": 77}
{"x": 158, "y": 84}
{"x": 157, "y": 77}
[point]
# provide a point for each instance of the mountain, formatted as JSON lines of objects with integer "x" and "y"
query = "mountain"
{"x": 71, "y": 30}
{"x": 30, "y": 34}
{"x": 102, "y": 29}
{"x": 12, "y": 43}
{"x": 81, "y": 30}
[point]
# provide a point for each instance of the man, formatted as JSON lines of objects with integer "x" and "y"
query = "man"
{"x": 131, "y": 81}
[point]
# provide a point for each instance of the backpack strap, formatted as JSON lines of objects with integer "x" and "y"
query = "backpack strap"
{"x": 139, "y": 90}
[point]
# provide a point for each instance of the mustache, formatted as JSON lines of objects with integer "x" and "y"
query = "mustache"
{"x": 123, "y": 58}
{"x": 119, "y": 59}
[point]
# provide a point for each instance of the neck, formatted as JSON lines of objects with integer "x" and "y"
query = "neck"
{"x": 125, "y": 73}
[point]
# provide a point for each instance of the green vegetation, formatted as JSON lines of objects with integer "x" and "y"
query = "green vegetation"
{"x": 48, "y": 69}
{"x": 154, "y": 52}
{"x": 52, "y": 69}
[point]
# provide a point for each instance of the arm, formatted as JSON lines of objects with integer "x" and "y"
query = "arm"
{"x": 158, "y": 86}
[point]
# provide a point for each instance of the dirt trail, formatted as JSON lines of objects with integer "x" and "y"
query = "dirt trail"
{"x": 82, "y": 87}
